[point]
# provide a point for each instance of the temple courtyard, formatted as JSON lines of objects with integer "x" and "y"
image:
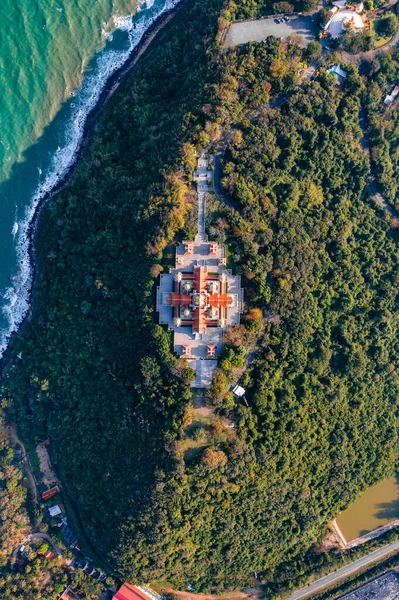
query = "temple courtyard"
{"x": 199, "y": 298}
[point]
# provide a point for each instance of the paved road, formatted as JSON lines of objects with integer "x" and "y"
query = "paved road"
{"x": 257, "y": 30}
{"x": 345, "y": 571}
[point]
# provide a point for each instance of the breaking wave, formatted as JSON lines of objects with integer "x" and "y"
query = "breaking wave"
{"x": 17, "y": 295}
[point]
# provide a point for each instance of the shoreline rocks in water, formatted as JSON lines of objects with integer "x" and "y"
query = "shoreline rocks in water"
{"x": 90, "y": 125}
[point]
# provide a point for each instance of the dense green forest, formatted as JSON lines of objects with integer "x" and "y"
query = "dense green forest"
{"x": 320, "y": 267}
{"x": 383, "y": 123}
{"x": 245, "y": 9}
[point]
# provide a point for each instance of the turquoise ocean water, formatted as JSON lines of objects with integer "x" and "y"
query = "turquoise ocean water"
{"x": 55, "y": 58}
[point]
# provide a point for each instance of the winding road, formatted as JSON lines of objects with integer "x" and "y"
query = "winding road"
{"x": 344, "y": 572}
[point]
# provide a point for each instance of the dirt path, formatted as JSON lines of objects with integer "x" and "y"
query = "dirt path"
{"x": 38, "y": 536}
{"x": 30, "y": 478}
{"x": 237, "y": 595}
{"x": 370, "y": 54}
{"x": 371, "y": 180}
{"x": 49, "y": 477}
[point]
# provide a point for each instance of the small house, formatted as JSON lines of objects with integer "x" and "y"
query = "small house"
{"x": 238, "y": 391}
{"x": 55, "y": 510}
{"x": 391, "y": 97}
{"x": 338, "y": 73}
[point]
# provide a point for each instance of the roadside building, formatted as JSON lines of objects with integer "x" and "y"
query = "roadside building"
{"x": 69, "y": 594}
{"x": 391, "y": 97}
{"x": 135, "y": 592}
{"x": 50, "y": 493}
{"x": 55, "y": 510}
{"x": 338, "y": 73}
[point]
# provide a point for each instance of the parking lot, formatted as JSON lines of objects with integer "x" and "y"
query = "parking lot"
{"x": 258, "y": 30}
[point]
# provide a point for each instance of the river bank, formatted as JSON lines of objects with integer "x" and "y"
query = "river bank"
{"x": 28, "y": 249}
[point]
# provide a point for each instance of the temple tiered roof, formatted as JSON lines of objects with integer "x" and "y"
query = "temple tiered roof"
{"x": 199, "y": 298}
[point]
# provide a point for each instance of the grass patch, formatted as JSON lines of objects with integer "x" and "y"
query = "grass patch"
{"x": 33, "y": 458}
{"x": 168, "y": 257}
{"x": 197, "y": 435}
{"x": 378, "y": 40}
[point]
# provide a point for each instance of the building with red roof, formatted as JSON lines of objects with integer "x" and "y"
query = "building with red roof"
{"x": 200, "y": 298}
{"x": 134, "y": 592}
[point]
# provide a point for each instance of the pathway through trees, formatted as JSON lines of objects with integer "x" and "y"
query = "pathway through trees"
{"x": 371, "y": 180}
{"x": 30, "y": 478}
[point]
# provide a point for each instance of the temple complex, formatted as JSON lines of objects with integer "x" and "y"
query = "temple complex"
{"x": 199, "y": 298}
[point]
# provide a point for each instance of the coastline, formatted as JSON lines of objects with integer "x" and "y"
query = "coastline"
{"x": 90, "y": 125}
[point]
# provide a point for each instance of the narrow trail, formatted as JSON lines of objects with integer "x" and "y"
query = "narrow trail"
{"x": 372, "y": 184}
{"x": 370, "y": 54}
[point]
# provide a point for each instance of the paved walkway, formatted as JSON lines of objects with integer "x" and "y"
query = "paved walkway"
{"x": 202, "y": 176}
{"x": 344, "y": 572}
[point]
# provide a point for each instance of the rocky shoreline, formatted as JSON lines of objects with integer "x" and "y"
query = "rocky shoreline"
{"x": 90, "y": 126}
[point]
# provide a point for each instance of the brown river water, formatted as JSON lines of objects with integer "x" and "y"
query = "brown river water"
{"x": 377, "y": 506}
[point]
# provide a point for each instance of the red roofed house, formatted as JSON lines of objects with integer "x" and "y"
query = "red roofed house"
{"x": 133, "y": 592}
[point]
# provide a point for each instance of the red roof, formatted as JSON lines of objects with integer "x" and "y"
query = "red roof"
{"x": 130, "y": 592}
{"x": 50, "y": 493}
{"x": 220, "y": 300}
{"x": 199, "y": 324}
{"x": 176, "y": 299}
{"x": 199, "y": 278}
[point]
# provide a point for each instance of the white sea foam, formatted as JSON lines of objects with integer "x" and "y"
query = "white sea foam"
{"x": 17, "y": 294}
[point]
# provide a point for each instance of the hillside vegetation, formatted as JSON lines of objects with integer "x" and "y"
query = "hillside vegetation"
{"x": 98, "y": 376}
{"x": 384, "y": 125}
